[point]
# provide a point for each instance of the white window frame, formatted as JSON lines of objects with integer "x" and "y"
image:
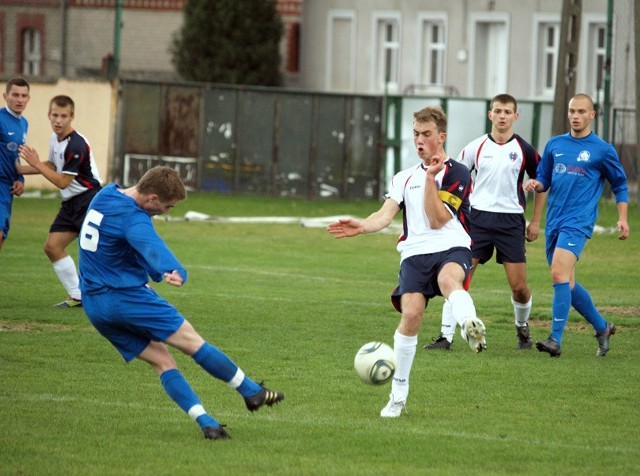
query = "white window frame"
{"x": 590, "y": 51}
{"x": 540, "y": 55}
{"x": 332, "y": 17}
{"x": 427, "y": 48}
{"x": 31, "y": 54}
{"x": 386, "y": 52}
{"x": 493, "y": 18}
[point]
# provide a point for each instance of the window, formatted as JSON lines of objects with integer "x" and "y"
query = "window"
{"x": 31, "y": 56}
{"x": 432, "y": 60}
{"x": 596, "y": 57}
{"x": 293, "y": 48}
{"x": 547, "y": 58}
{"x": 387, "y": 54}
{"x": 340, "y": 73}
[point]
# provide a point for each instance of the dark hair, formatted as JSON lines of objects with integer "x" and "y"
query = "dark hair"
{"x": 433, "y": 114}
{"x": 505, "y": 99}
{"x": 17, "y": 81}
{"x": 62, "y": 101}
{"x": 162, "y": 181}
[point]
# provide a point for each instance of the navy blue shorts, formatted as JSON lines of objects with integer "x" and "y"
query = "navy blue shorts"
{"x": 504, "y": 232}
{"x": 131, "y": 318}
{"x": 419, "y": 274}
{"x": 72, "y": 212}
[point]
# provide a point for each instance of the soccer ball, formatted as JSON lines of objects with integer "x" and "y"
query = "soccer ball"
{"x": 375, "y": 363}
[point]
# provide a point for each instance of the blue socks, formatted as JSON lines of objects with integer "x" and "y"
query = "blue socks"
{"x": 563, "y": 298}
{"x": 560, "y": 308}
{"x": 217, "y": 364}
{"x": 582, "y": 302}
{"x": 181, "y": 392}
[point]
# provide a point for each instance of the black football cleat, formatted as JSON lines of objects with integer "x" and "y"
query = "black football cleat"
{"x": 439, "y": 343}
{"x": 550, "y": 346}
{"x": 216, "y": 433}
{"x": 524, "y": 338}
{"x": 263, "y": 397}
{"x": 603, "y": 339}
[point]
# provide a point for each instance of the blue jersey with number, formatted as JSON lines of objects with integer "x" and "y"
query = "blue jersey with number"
{"x": 574, "y": 171}
{"x": 119, "y": 247}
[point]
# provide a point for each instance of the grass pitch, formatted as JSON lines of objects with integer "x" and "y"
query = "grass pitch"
{"x": 291, "y": 305}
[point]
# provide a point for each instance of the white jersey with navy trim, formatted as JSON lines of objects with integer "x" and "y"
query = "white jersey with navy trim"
{"x": 73, "y": 155}
{"x": 407, "y": 189}
{"x": 500, "y": 170}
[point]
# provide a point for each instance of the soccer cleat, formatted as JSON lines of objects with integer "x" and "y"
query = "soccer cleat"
{"x": 263, "y": 397}
{"x": 549, "y": 346}
{"x": 393, "y": 409}
{"x": 603, "y": 339}
{"x": 439, "y": 343}
{"x": 524, "y": 338}
{"x": 216, "y": 433}
{"x": 473, "y": 331}
{"x": 70, "y": 302}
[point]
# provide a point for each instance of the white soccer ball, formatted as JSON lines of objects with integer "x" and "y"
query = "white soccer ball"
{"x": 375, "y": 363}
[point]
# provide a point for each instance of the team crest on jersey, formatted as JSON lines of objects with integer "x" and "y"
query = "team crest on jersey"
{"x": 584, "y": 156}
{"x": 513, "y": 156}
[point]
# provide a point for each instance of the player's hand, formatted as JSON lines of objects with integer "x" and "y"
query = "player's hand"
{"x": 345, "y": 227}
{"x": 532, "y": 185}
{"x": 436, "y": 165}
{"x": 17, "y": 188}
{"x": 173, "y": 278}
{"x": 29, "y": 155}
{"x": 533, "y": 230}
{"x": 623, "y": 230}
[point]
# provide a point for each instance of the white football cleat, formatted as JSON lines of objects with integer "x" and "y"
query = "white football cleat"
{"x": 393, "y": 409}
{"x": 473, "y": 331}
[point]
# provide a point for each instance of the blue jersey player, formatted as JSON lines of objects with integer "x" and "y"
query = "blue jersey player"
{"x": 573, "y": 168}
{"x": 119, "y": 251}
{"x": 13, "y": 133}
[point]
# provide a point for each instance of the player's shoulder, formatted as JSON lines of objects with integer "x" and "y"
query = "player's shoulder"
{"x": 456, "y": 170}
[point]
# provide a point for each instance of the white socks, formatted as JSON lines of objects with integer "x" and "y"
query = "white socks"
{"x": 448, "y": 325}
{"x": 65, "y": 268}
{"x": 405, "y": 350}
{"x": 521, "y": 311}
{"x": 462, "y": 306}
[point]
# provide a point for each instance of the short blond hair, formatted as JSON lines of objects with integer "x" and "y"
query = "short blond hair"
{"x": 433, "y": 114}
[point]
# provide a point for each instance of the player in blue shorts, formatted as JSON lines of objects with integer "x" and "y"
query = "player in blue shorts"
{"x": 119, "y": 251}
{"x": 435, "y": 253}
{"x": 72, "y": 168}
{"x": 573, "y": 168}
{"x": 13, "y": 133}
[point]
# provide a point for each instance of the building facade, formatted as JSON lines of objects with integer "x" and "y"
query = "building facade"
{"x": 48, "y": 39}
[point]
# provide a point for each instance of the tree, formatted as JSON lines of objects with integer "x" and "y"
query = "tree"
{"x": 229, "y": 41}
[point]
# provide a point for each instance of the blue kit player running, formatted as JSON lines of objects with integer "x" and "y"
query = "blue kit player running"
{"x": 573, "y": 168}
{"x": 119, "y": 251}
{"x": 13, "y": 133}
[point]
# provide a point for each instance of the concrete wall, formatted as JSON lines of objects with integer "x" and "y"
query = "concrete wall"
{"x": 93, "y": 119}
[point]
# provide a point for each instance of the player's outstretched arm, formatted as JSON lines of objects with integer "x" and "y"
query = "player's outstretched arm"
{"x": 348, "y": 227}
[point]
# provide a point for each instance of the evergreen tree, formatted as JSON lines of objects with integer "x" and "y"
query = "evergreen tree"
{"x": 229, "y": 41}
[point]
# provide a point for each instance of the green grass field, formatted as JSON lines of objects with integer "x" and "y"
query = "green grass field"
{"x": 291, "y": 305}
